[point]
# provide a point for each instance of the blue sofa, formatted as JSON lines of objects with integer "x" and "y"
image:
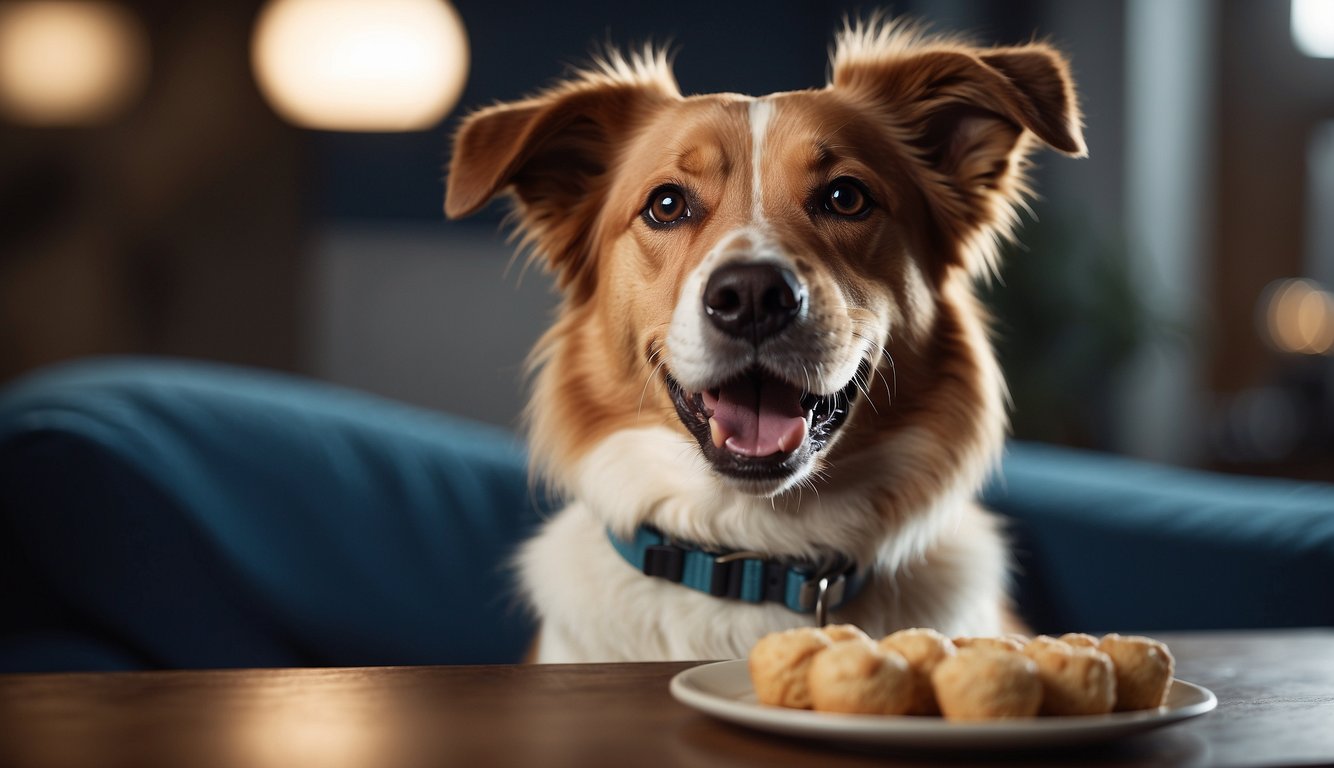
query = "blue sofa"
{"x": 171, "y": 514}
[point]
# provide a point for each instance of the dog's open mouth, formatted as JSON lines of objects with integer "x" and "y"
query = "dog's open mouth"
{"x": 758, "y": 426}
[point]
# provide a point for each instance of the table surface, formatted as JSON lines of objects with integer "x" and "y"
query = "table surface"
{"x": 1275, "y": 691}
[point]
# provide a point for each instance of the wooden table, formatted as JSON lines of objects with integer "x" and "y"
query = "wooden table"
{"x": 1276, "y": 693}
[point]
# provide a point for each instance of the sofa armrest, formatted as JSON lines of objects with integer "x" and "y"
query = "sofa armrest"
{"x": 1107, "y": 543}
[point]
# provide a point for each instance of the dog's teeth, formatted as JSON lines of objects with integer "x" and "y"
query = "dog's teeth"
{"x": 792, "y": 439}
{"x": 716, "y": 432}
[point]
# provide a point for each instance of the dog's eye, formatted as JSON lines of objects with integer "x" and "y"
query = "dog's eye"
{"x": 846, "y": 197}
{"x": 666, "y": 205}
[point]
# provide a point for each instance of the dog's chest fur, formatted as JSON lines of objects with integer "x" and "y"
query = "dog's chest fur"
{"x": 942, "y": 568}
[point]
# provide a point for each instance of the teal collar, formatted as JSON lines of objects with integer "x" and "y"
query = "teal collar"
{"x": 802, "y": 586}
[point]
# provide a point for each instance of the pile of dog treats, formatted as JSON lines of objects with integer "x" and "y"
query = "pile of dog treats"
{"x": 922, "y": 672}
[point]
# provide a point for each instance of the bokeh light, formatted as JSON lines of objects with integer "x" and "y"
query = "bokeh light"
{"x": 1299, "y": 317}
{"x": 66, "y": 62}
{"x": 360, "y": 65}
{"x": 1313, "y": 27}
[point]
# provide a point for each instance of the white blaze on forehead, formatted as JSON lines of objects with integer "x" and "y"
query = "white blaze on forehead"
{"x": 760, "y": 112}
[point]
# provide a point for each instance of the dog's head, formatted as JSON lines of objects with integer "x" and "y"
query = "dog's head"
{"x": 765, "y": 275}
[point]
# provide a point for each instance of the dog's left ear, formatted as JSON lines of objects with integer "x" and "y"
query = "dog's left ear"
{"x": 971, "y": 115}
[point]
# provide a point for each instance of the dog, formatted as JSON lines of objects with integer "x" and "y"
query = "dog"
{"x": 768, "y": 398}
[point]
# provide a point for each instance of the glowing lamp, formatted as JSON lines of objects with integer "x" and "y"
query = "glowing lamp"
{"x": 65, "y": 62}
{"x": 1313, "y": 27}
{"x": 360, "y": 65}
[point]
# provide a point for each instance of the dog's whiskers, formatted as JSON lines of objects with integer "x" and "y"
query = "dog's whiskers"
{"x": 654, "y": 354}
{"x": 863, "y": 386}
{"x": 644, "y": 391}
{"x": 894, "y": 372}
{"x": 890, "y": 391}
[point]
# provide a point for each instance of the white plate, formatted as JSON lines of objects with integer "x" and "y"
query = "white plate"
{"x": 723, "y": 689}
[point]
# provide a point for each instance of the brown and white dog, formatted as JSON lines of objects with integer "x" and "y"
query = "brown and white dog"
{"x": 768, "y": 342}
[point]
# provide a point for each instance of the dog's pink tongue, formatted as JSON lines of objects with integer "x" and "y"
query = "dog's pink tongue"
{"x": 757, "y": 417}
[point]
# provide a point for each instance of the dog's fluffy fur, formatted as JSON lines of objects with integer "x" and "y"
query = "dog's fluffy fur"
{"x": 936, "y": 134}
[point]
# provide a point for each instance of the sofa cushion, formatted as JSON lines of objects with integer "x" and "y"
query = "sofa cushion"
{"x": 193, "y": 515}
{"x": 1109, "y": 543}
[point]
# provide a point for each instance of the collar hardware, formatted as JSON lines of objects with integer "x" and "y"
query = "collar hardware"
{"x": 664, "y": 561}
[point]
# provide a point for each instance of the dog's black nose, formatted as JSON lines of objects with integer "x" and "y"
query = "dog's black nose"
{"x": 752, "y": 301}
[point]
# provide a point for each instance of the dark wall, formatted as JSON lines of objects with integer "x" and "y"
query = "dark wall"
{"x": 1271, "y": 97}
{"x": 175, "y": 228}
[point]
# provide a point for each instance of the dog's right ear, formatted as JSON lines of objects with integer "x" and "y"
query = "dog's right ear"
{"x": 553, "y": 152}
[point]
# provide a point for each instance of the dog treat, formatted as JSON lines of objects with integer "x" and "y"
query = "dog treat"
{"x": 1143, "y": 670}
{"x": 1076, "y": 680}
{"x": 779, "y": 663}
{"x": 987, "y": 684}
{"x": 858, "y": 678}
{"x": 837, "y": 633}
{"x": 993, "y": 643}
{"x": 1079, "y": 639}
{"x": 923, "y": 649}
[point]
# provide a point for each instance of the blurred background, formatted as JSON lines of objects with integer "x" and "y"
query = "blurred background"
{"x": 199, "y": 179}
